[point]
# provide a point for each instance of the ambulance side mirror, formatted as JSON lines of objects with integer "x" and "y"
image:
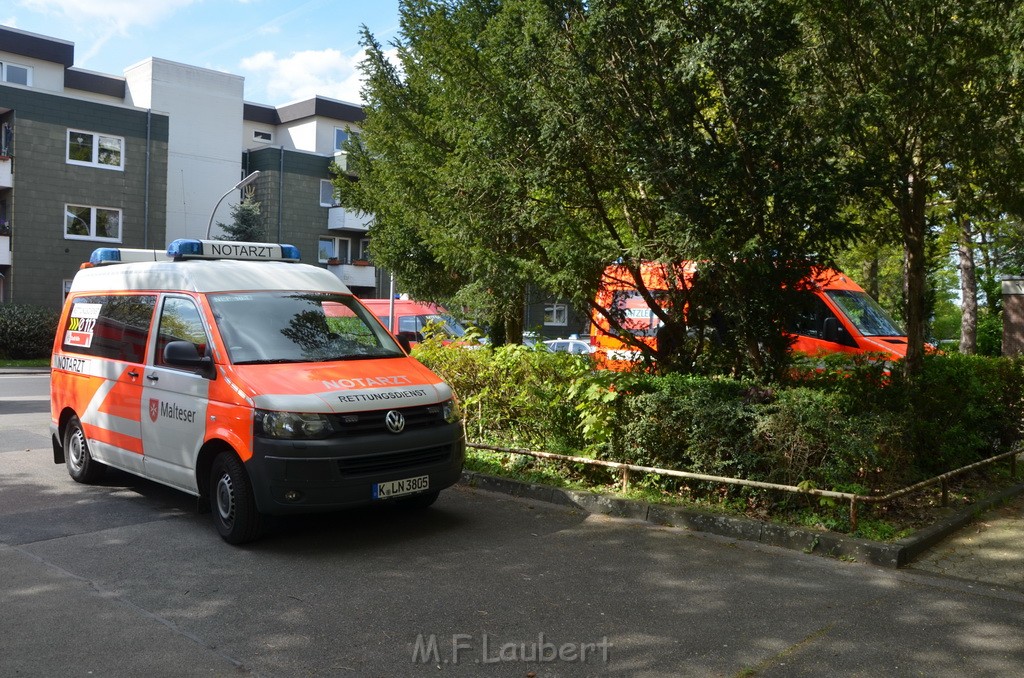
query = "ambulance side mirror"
{"x": 830, "y": 330}
{"x": 185, "y": 354}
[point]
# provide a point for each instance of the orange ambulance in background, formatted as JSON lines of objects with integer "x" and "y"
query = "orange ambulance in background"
{"x": 412, "y": 318}
{"x": 839, "y": 316}
{"x": 261, "y": 385}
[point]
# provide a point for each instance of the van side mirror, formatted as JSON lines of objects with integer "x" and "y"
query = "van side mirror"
{"x": 185, "y": 354}
{"x": 404, "y": 342}
{"x": 830, "y": 329}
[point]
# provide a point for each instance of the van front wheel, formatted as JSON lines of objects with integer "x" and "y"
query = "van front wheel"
{"x": 234, "y": 506}
{"x": 81, "y": 466}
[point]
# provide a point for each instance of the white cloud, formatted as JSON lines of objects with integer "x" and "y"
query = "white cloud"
{"x": 305, "y": 74}
{"x": 118, "y": 15}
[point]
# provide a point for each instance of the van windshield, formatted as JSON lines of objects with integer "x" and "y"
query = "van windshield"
{"x": 298, "y": 327}
{"x": 864, "y": 312}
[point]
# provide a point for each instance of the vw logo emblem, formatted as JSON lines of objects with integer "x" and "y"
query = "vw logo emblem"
{"x": 395, "y": 421}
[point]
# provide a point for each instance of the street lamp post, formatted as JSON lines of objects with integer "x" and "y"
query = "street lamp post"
{"x": 241, "y": 184}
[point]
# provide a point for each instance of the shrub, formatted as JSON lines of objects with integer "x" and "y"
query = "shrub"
{"x": 512, "y": 395}
{"x": 964, "y": 408}
{"x": 26, "y": 331}
{"x": 844, "y": 424}
{"x": 698, "y": 424}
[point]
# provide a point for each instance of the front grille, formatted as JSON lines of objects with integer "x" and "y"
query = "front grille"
{"x": 393, "y": 461}
{"x": 361, "y": 423}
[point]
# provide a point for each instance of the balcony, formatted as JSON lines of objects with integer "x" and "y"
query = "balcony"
{"x": 339, "y": 218}
{"x": 6, "y": 175}
{"x": 355, "y": 275}
{"x": 5, "y": 250}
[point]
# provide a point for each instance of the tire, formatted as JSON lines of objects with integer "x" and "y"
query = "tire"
{"x": 418, "y": 502}
{"x": 81, "y": 466}
{"x": 232, "y": 501}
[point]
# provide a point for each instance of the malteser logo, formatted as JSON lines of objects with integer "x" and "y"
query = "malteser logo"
{"x": 167, "y": 410}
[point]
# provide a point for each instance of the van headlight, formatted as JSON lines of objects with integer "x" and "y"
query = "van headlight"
{"x": 450, "y": 411}
{"x": 291, "y": 425}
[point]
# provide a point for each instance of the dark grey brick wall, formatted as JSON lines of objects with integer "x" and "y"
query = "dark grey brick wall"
{"x": 44, "y": 182}
{"x": 301, "y": 220}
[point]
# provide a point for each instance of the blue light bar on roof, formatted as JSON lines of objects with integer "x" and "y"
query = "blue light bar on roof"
{"x": 186, "y": 248}
{"x": 102, "y": 256}
{"x": 105, "y": 255}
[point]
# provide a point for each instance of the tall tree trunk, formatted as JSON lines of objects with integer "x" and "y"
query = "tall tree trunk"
{"x": 911, "y": 205}
{"x": 871, "y": 283}
{"x": 968, "y": 288}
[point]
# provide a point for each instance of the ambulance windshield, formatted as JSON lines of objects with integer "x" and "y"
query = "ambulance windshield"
{"x": 298, "y": 327}
{"x": 864, "y": 312}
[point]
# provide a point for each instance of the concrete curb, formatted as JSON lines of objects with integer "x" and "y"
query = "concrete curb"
{"x": 886, "y": 554}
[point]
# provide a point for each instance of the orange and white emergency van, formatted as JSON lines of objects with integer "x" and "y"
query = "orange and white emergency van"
{"x": 838, "y": 317}
{"x": 256, "y": 383}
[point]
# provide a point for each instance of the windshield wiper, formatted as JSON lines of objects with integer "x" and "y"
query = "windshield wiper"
{"x": 271, "y": 361}
{"x": 362, "y": 356}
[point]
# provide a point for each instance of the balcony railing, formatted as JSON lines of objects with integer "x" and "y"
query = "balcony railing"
{"x": 339, "y": 218}
{"x": 355, "y": 275}
{"x": 6, "y": 173}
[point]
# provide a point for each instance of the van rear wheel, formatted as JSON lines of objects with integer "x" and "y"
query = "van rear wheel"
{"x": 81, "y": 466}
{"x": 231, "y": 498}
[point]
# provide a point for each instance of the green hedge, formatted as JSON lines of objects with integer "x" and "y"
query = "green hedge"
{"x": 850, "y": 426}
{"x": 26, "y": 332}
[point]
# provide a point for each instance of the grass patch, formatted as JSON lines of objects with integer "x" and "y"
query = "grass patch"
{"x": 34, "y": 362}
{"x": 882, "y": 523}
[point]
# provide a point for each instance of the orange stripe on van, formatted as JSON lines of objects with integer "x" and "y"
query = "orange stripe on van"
{"x": 125, "y": 442}
{"x": 124, "y": 399}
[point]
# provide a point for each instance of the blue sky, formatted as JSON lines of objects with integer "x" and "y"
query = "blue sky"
{"x": 287, "y": 50}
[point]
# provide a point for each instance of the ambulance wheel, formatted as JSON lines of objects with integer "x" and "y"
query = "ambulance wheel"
{"x": 232, "y": 501}
{"x": 418, "y": 501}
{"x": 81, "y": 466}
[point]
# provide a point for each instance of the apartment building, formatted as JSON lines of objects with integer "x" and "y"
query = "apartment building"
{"x": 137, "y": 160}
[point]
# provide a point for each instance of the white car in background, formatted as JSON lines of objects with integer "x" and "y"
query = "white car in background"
{"x": 574, "y": 346}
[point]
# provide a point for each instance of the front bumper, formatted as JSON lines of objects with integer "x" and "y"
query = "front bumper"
{"x": 291, "y": 476}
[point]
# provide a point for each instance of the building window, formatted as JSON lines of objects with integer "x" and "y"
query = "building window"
{"x": 92, "y": 223}
{"x": 262, "y": 137}
{"x": 339, "y": 249}
{"x": 95, "y": 150}
{"x": 364, "y": 249}
{"x": 13, "y": 73}
{"x": 340, "y": 137}
{"x": 328, "y": 194}
{"x": 556, "y": 314}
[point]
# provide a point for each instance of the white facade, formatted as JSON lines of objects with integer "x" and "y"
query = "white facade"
{"x": 205, "y": 109}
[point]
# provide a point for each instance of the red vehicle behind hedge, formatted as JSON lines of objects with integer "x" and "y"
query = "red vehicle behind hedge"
{"x": 839, "y": 318}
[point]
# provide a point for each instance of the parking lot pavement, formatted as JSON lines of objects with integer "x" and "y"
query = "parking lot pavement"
{"x": 990, "y": 550}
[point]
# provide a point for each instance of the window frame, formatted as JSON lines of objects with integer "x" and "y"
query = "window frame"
{"x": 334, "y": 194}
{"x": 4, "y": 65}
{"x": 339, "y": 144}
{"x": 256, "y": 136}
{"x": 554, "y": 311}
{"x": 336, "y": 241}
{"x": 96, "y": 147}
{"x": 93, "y": 212}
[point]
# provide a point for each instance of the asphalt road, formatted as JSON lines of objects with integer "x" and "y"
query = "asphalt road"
{"x": 125, "y": 579}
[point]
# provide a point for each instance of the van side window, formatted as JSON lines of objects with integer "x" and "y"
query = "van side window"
{"x": 110, "y": 326}
{"x": 411, "y": 326}
{"x": 180, "y": 321}
{"x": 810, "y": 321}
